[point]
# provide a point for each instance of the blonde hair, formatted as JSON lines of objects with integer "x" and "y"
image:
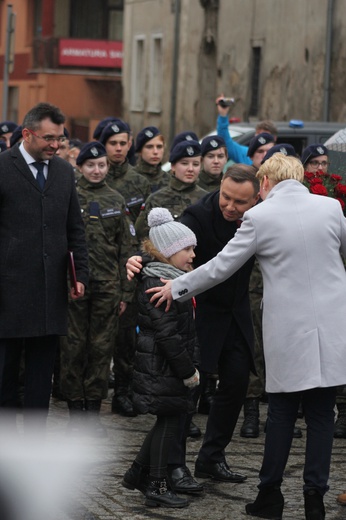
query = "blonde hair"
{"x": 280, "y": 167}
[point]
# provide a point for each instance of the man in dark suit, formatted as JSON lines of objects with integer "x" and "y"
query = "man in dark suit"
{"x": 40, "y": 222}
{"x": 223, "y": 315}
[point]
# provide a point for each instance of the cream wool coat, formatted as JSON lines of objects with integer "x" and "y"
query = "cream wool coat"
{"x": 297, "y": 238}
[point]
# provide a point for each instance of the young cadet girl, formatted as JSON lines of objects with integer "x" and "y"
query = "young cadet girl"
{"x": 164, "y": 370}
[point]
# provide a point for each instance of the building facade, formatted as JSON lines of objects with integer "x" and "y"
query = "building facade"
{"x": 280, "y": 60}
{"x": 66, "y": 52}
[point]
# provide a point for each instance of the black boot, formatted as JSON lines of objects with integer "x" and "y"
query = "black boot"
{"x": 340, "y": 425}
{"x": 137, "y": 477}
{"x": 122, "y": 404}
{"x": 268, "y": 504}
{"x": 207, "y": 394}
{"x": 250, "y": 426}
{"x": 194, "y": 431}
{"x": 314, "y": 507}
{"x": 158, "y": 494}
{"x": 76, "y": 424}
{"x": 95, "y": 427}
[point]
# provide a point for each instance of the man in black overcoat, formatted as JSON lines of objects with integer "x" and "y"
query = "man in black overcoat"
{"x": 40, "y": 221}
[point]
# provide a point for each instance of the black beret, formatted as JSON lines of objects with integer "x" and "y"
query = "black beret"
{"x": 66, "y": 133}
{"x": 3, "y": 146}
{"x": 101, "y": 125}
{"x": 92, "y": 150}
{"x": 7, "y": 126}
{"x": 314, "y": 150}
{"x": 259, "y": 140}
{"x": 113, "y": 128}
{"x": 16, "y": 135}
{"x": 211, "y": 143}
{"x": 285, "y": 148}
{"x": 185, "y": 149}
{"x": 147, "y": 133}
{"x": 184, "y": 136}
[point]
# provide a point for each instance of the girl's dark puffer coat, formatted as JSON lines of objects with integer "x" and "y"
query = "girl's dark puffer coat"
{"x": 165, "y": 350}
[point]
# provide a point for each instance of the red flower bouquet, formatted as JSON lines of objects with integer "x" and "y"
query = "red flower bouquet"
{"x": 326, "y": 184}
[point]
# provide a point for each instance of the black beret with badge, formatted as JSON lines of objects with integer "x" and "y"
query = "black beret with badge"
{"x": 114, "y": 128}
{"x": 259, "y": 140}
{"x": 145, "y": 135}
{"x": 184, "y": 136}
{"x": 314, "y": 150}
{"x": 92, "y": 150}
{"x": 185, "y": 149}
{"x": 211, "y": 143}
{"x": 7, "y": 126}
{"x": 284, "y": 148}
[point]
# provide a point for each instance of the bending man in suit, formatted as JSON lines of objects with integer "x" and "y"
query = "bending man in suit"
{"x": 223, "y": 316}
{"x": 40, "y": 221}
{"x": 297, "y": 238}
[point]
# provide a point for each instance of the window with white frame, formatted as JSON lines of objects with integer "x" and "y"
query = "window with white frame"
{"x": 155, "y": 78}
{"x": 138, "y": 73}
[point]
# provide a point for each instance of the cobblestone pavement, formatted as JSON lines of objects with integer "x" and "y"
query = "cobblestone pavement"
{"x": 99, "y": 495}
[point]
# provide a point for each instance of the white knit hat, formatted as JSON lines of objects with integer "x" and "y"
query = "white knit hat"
{"x": 167, "y": 235}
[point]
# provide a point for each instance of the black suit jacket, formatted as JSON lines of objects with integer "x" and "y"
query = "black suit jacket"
{"x": 227, "y": 302}
{"x": 36, "y": 231}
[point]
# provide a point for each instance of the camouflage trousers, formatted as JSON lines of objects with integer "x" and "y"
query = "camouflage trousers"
{"x": 86, "y": 352}
{"x": 257, "y": 383}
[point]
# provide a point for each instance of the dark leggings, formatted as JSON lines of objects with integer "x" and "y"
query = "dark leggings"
{"x": 156, "y": 446}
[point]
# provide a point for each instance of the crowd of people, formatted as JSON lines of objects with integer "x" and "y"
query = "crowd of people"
{"x": 88, "y": 208}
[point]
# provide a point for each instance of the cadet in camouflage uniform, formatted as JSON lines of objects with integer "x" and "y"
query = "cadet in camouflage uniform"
{"x": 87, "y": 351}
{"x": 150, "y": 146}
{"x": 182, "y": 190}
{"x": 214, "y": 158}
{"x": 135, "y": 189}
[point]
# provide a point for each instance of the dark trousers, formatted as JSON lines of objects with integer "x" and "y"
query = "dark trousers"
{"x": 155, "y": 448}
{"x": 233, "y": 369}
{"x": 318, "y": 406}
{"x": 39, "y": 354}
{"x": 177, "y": 452}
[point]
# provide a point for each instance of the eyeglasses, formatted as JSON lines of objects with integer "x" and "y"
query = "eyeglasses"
{"x": 48, "y": 138}
{"x": 324, "y": 164}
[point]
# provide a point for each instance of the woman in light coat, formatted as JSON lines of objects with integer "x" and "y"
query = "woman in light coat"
{"x": 298, "y": 239}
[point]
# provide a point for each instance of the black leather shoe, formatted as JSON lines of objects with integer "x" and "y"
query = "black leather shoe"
{"x": 123, "y": 405}
{"x": 218, "y": 471}
{"x": 181, "y": 481}
{"x": 313, "y": 504}
{"x": 136, "y": 477}
{"x": 194, "y": 431}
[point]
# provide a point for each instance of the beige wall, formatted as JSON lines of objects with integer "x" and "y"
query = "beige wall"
{"x": 292, "y": 37}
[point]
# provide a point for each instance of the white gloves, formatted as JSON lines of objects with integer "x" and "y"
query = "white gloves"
{"x": 192, "y": 381}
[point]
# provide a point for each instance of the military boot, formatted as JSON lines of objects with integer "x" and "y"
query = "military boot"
{"x": 76, "y": 424}
{"x": 250, "y": 426}
{"x": 340, "y": 425}
{"x": 95, "y": 427}
{"x": 158, "y": 494}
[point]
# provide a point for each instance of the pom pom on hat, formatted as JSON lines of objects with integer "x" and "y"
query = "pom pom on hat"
{"x": 167, "y": 235}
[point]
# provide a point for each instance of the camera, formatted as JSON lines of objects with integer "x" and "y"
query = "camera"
{"x": 226, "y": 102}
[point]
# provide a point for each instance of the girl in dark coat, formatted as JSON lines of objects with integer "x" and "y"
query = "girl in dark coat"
{"x": 164, "y": 371}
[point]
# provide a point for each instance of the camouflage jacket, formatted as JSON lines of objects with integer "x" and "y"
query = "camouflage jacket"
{"x": 209, "y": 182}
{"x": 175, "y": 197}
{"x": 155, "y": 175}
{"x": 110, "y": 235}
{"x": 131, "y": 185}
